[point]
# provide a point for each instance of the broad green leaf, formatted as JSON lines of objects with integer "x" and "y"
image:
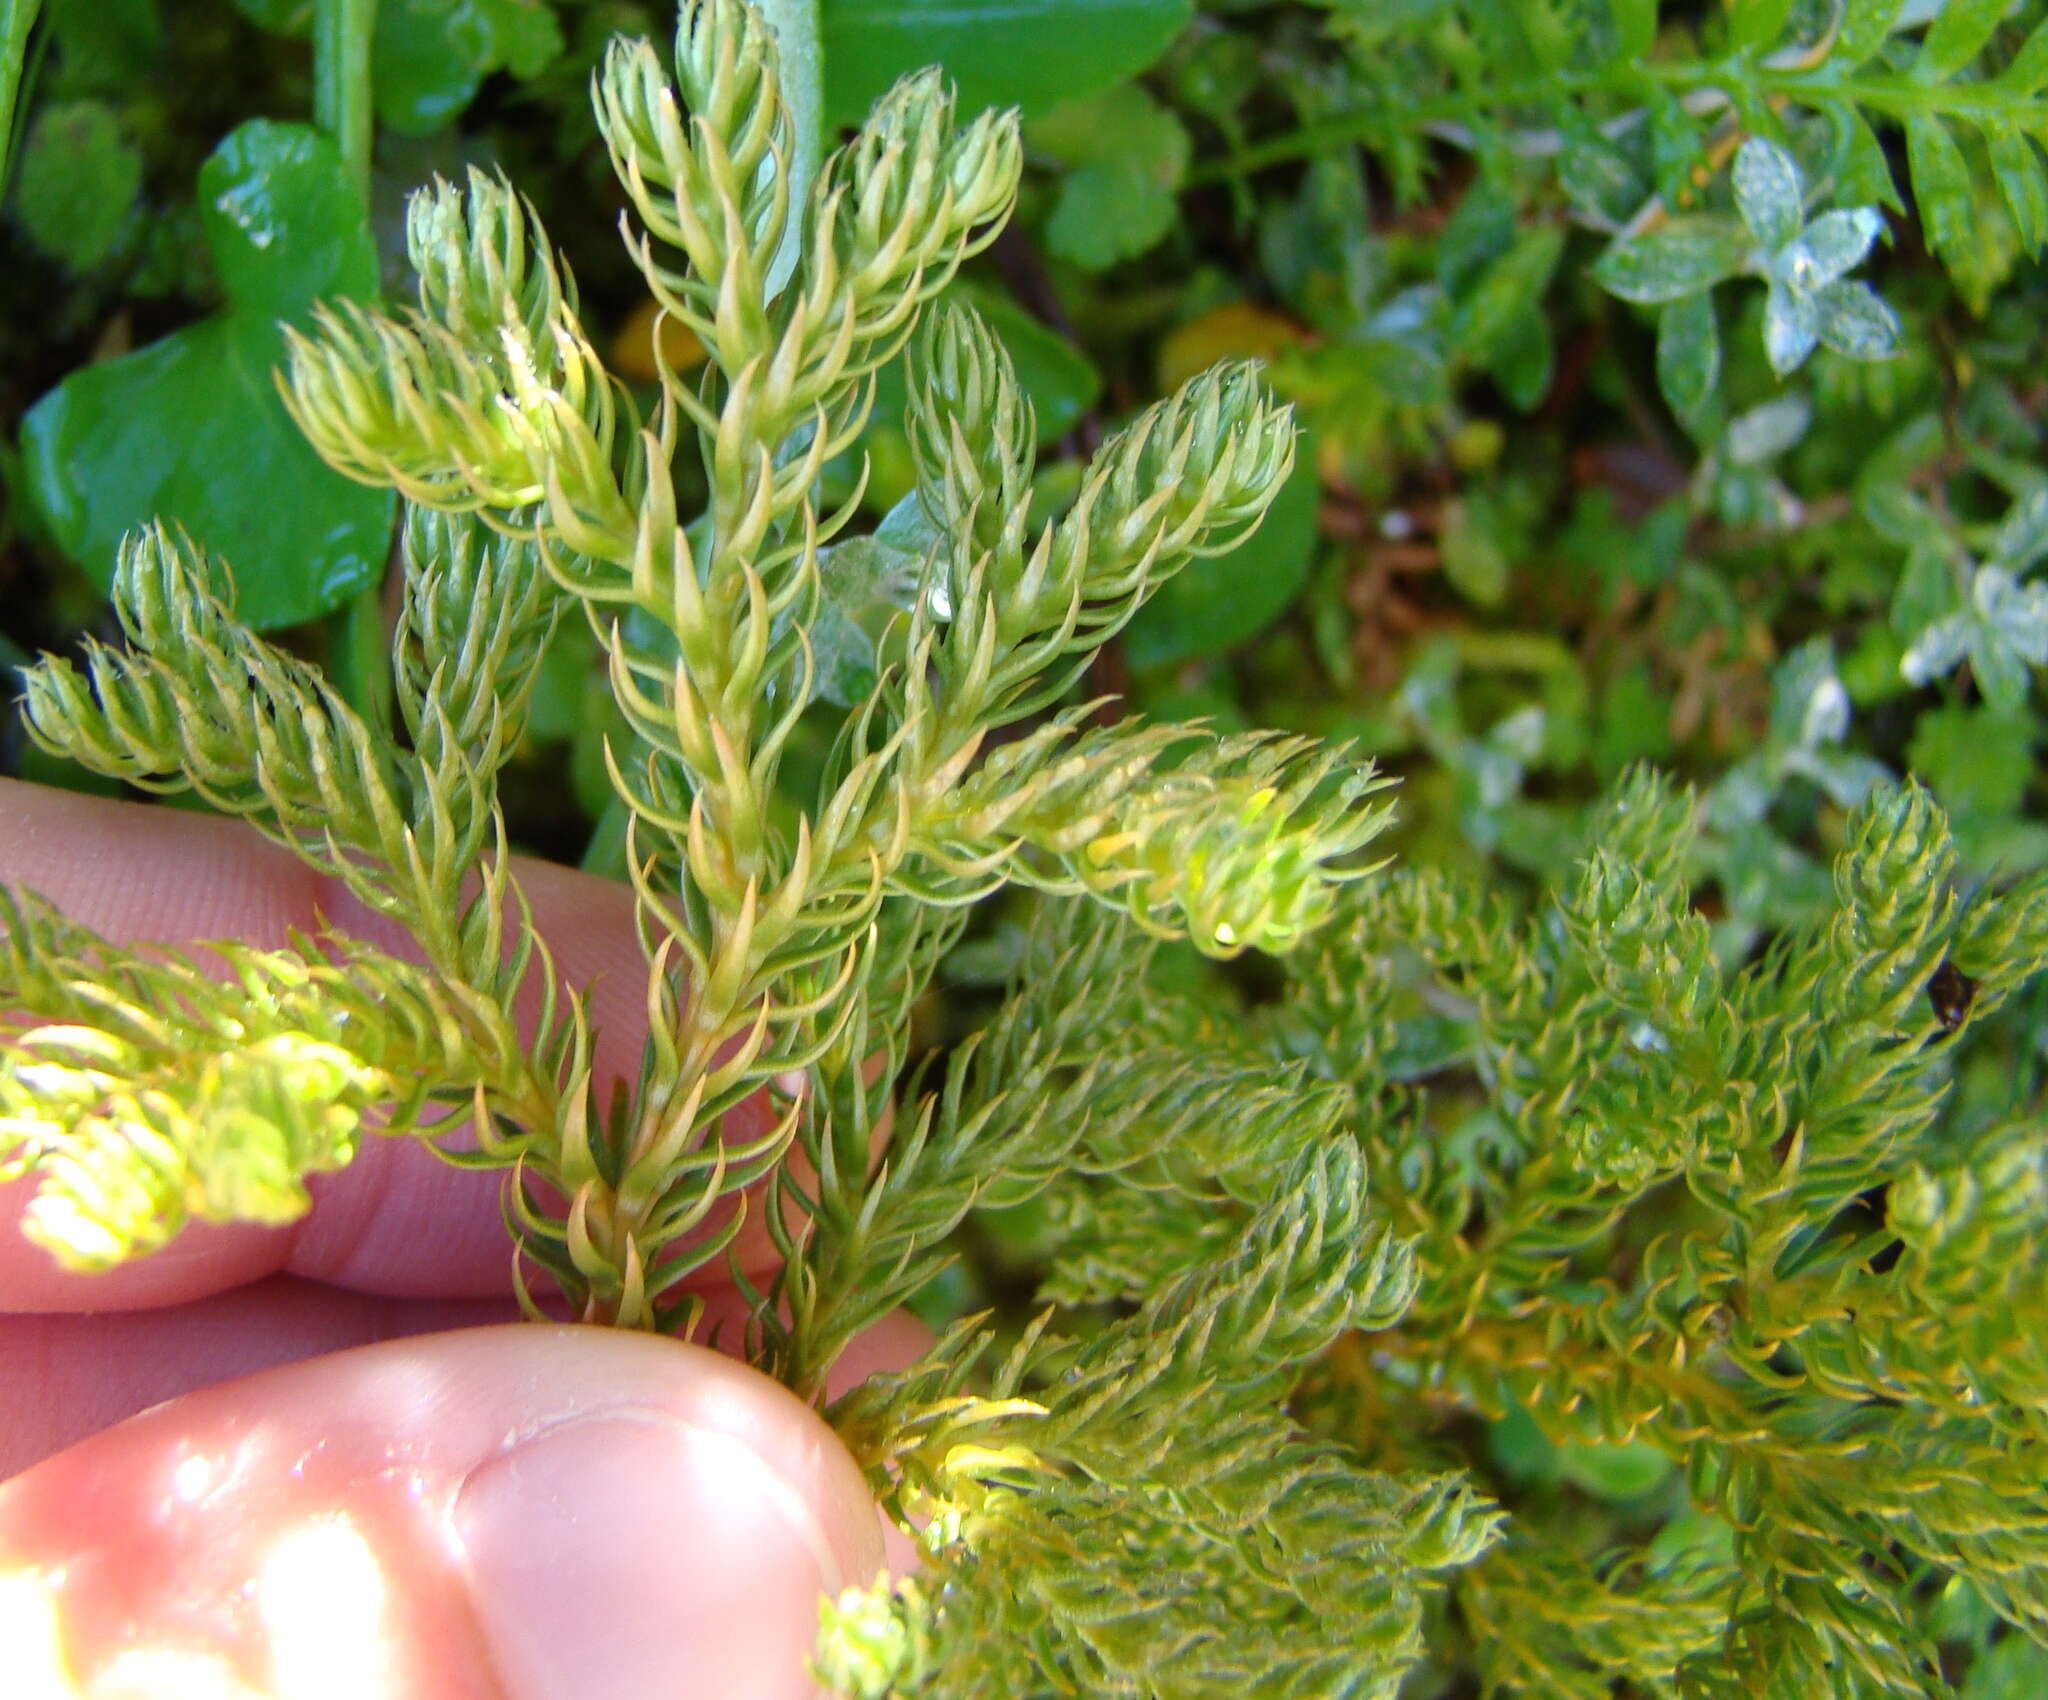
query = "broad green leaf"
{"x": 1208, "y": 606}
{"x": 1768, "y": 192}
{"x": 430, "y": 56}
{"x": 1941, "y": 189}
{"x": 1956, "y": 37}
{"x": 1027, "y": 53}
{"x": 78, "y": 180}
{"x": 1128, "y": 155}
{"x": 1681, "y": 259}
{"x": 1616, "y": 1471}
{"x": 190, "y": 429}
{"x": 1474, "y": 561}
{"x": 2016, "y": 161}
{"x": 1688, "y": 354}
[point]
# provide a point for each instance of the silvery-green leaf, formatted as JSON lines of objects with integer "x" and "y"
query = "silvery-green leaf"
{"x": 1852, "y": 319}
{"x": 1767, "y": 431}
{"x": 2023, "y": 534}
{"x": 1808, "y": 704}
{"x": 1926, "y": 591}
{"x": 1835, "y": 243}
{"x": 1741, "y": 795}
{"x": 1791, "y": 328}
{"x": 1935, "y": 652}
{"x": 1682, "y": 259}
{"x": 1520, "y": 733}
{"x": 2017, "y": 613}
{"x": 1846, "y": 777}
{"x": 1768, "y": 192}
{"x": 1998, "y": 670}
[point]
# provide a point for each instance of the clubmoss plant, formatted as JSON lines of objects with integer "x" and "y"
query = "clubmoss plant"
{"x": 1256, "y": 1476}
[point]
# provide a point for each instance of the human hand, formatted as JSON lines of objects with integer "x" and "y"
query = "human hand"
{"x": 378, "y": 1510}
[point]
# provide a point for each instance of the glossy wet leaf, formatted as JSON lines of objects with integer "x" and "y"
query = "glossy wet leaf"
{"x": 1027, "y": 53}
{"x": 190, "y": 429}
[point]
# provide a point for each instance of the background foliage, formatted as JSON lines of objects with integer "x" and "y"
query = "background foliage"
{"x": 1672, "y": 384}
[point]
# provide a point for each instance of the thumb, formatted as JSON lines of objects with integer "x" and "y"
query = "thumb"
{"x": 518, "y": 1513}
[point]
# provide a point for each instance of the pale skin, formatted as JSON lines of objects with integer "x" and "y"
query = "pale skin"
{"x": 368, "y": 1479}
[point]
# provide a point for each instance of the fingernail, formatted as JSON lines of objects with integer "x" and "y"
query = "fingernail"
{"x": 632, "y": 1556}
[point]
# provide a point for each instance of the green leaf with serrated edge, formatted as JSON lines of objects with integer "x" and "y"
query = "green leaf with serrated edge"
{"x": 1129, "y": 155}
{"x": 1027, "y": 53}
{"x": 1688, "y": 354}
{"x": 1941, "y": 188}
{"x": 1865, "y": 25}
{"x": 2028, "y": 72}
{"x": 1978, "y": 762}
{"x": 77, "y": 181}
{"x": 1208, "y": 606}
{"x": 1681, "y": 259}
{"x": 1106, "y": 213}
{"x": 1957, "y": 35}
{"x": 1768, "y": 192}
{"x": 1509, "y": 291}
{"x": 1862, "y": 173}
{"x": 190, "y": 428}
{"x": 2016, "y": 162}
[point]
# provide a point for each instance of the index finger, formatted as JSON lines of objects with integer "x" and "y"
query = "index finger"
{"x": 397, "y": 1220}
